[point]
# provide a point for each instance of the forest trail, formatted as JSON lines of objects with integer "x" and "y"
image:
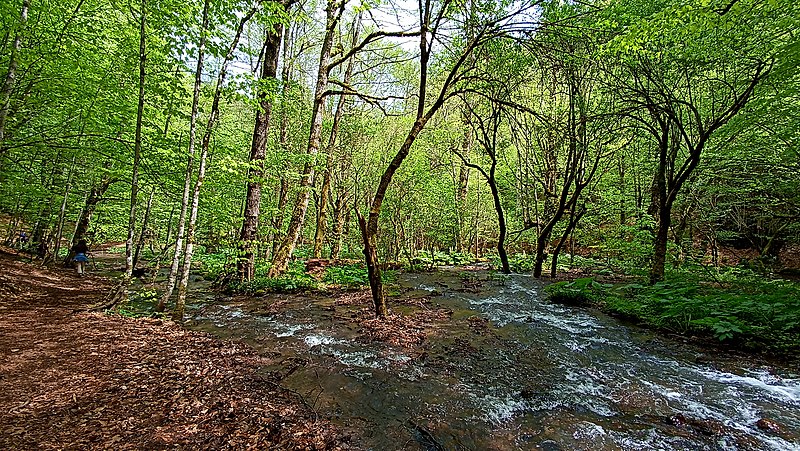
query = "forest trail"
{"x": 80, "y": 380}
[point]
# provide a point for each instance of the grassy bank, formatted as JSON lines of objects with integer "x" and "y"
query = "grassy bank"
{"x": 736, "y": 307}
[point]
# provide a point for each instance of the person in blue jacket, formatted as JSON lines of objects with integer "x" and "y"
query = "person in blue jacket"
{"x": 80, "y": 249}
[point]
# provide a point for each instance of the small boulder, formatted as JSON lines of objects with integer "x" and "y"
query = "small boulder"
{"x": 765, "y": 424}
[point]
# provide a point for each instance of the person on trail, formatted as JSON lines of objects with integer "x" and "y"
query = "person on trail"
{"x": 23, "y": 238}
{"x": 80, "y": 249}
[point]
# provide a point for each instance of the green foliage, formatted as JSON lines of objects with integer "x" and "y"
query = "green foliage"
{"x": 354, "y": 276}
{"x": 519, "y": 263}
{"x": 499, "y": 278}
{"x": 438, "y": 258}
{"x": 293, "y": 280}
{"x": 218, "y": 265}
{"x": 754, "y": 311}
{"x": 629, "y": 248}
{"x": 577, "y": 292}
{"x": 349, "y": 276}
{"x": 746, "y": 309}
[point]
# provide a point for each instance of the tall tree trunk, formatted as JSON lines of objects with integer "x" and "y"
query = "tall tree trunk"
{"x": 258, "y": 152}
{"x": 137, "y": 149}
{"x": 63, "y": 213}
{"x": 187, "y": 180}
{"x": 322, "y": 216}
{"x": 11, "y": 74}
{"x": 501, "y": 222}
{"x": 339, "y": 213}
{"x": 369, "y": 226}
{"x": 280, "y": 260}
{"x": 574, "y": 217}
{"x": 180, "y": 303}
{"x": 276, "y": 234}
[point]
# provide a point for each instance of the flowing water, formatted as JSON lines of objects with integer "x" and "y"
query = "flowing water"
{"x": 508, "y": 370}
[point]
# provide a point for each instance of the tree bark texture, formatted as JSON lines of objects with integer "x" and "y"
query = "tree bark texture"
{"x": 11, "y": 74}
{"x": 322, "y": 216}
{"x": 280, "y": 260}
{"x": 137, "y": 147}
{"x": 258, "y": 152}
{"x": 172, "y": 279}
{"x": 180, "y": 303}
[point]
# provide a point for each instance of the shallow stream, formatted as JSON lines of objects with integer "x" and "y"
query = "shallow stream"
{"x": 508, "y": 370}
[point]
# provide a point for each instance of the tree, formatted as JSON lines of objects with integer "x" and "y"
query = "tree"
{"x": 258, "y": 148}
{"x": 680, "y": 98}
{"x": 487, "y": 129}
{"x": 431, "y": 22}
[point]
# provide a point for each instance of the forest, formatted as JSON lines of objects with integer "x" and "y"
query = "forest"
{"x": 639, "y": 158}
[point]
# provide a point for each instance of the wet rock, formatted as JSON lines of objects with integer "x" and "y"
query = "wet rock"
{"x": 678, "y": 420}
{"x": 705, "y": 426}
{"x": 527, "y": 393}
{"x": 548, "y": 445}
{"x": 765, "y": 424}
{"x": 702, "y": 358}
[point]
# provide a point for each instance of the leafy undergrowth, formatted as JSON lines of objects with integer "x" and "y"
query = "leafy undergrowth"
{"x": 221, "y": 267}
{"x": 739, "y": 309}
{"x": 294, "y": 280}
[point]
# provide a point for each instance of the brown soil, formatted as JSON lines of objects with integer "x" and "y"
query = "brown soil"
{"x": 72, "y": 379}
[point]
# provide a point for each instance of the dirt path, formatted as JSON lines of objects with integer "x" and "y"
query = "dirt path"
{"x": 91, "y": 381}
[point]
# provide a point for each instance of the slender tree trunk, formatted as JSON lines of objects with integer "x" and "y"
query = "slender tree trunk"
{"x": 258, "y": 152}
{"x": 369, "y": 227}
{"x": 172, "y": 278}
{"x": 660, "y": 245}
{"x": 137, "y": 149}
{"x": 84, "y": 219}
{"x": 501, "y": 221}
{"x": 143, "y": 230}
{"x": 338, "y": 213}
{"x": 574, "y": 217}
{"x": 280, "y": 260}
{"x": 13, "y": 61}
{"x": 180, "y": 303}
{"x": 276, "y": 235}
{"x": 322, "y": 217}
{"x": 659, "y": 208}
{"x": 63, "y": 212}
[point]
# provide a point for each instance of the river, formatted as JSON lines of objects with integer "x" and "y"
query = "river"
{"x": 506, "y": 370}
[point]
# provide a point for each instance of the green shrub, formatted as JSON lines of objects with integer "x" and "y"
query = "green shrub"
{"x": 518, "y": 263}
{"x": 293, "y": 280}
{"x": 439, "y": 258}
{"x": 354, "y": 276}
{"x": 756, "y": 312}
{"x": 577, "y": 292}
{"x": 350, "y": 276}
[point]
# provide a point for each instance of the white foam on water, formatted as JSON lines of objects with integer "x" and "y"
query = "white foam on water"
{"x": 785, "y": 390}
{"x": 586, "y": 391}
{"x": 499, "y": 409}
{"x": 362, "y": 359}
{"x": 668, "y": 393}
{"x": 318, "y": 339}
{"x": 589, "y": 431}
{"x": 488, "y": 301}
{"x": 515, "y": 287}
{"x": 400, "y": 358}
{"x": 289, "y": 330}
